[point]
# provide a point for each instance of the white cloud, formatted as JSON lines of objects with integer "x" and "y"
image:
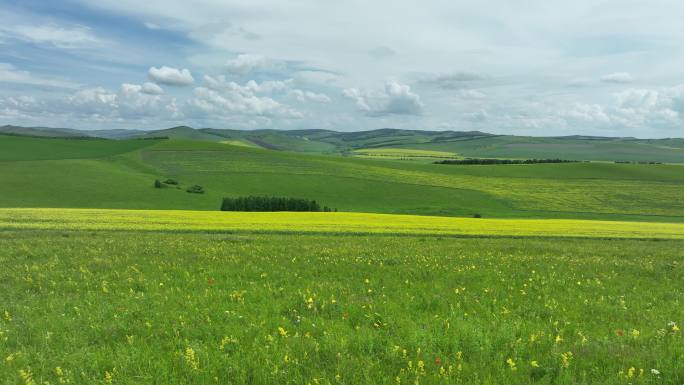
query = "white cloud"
{"x": 248, "y": 63}
{"x": 130, "y": 102}
{"x": 151, "y": 89}
{"x": 304, "y": 96}
{"x": 394, "y": 99}
{"x": 617, "y": 78}
{"x": 230, "y": 101}
{"x": 171, "y": 76}
{"x": 11, "y": 74}
{"x": 251, "y": 87}
{"x": 454, "y": 80}
{"x": 67, "y": 37}
{"x": 146, "y": 88}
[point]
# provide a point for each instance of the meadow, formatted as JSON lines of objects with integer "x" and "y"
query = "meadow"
{"x": 573, "y": 275}
{"x": 151, "y": 307}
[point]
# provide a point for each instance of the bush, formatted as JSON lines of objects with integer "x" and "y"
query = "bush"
{"x": 470, "y": 161}
{"x": 171, "y": 181}
{"x": 195, "y": 189}
{"x": 157, "y": 184}
{"x": 477, "y": 216}
{"x": 256, "y": 203}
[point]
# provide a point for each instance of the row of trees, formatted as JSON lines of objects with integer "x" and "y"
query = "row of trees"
{"x": 469, "y": 161}
{"x": 257, "y": 203}
{"x": 633, "y": 162}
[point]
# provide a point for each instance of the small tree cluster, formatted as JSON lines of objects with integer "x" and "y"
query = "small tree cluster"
{"x": 257, "y": 203}
{"x": 470, "y": 161}
{"x": 195, "y": 189}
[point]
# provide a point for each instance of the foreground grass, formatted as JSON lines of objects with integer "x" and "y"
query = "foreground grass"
{"x": 193, "y": 308}
{"x": 337, "y": 223}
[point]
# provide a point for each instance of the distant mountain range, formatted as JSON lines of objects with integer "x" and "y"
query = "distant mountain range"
{"x": 465, "y": 143}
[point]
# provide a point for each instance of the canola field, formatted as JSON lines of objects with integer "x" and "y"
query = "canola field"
{"x": 332, "y": 223}
{"x": 166, "y": 307}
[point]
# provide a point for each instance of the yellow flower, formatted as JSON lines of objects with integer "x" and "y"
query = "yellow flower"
{"x": 108, "y": 377}
{"x": 534, "y": 364}
{"x": 7, "y": 316}
{"x": 511, "y": 364}
{"x": 566, "y": 358}
{"x": 286, "y": 359}
{"x": 635, "y": 333}
{"x": 27, "y": 377}
{"x": 558, "y": 339}
{"x": 191, "y": 358}
{"x": 282, "y": 332}
{"x": 630, "y": 372}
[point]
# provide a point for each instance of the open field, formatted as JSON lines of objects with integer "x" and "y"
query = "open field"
{"x": 117, "y": 176}
{"x": 403, "y": 153}
{"x": 331, "y": 223}
{"x": 572, "y": 276}
{"x": 102, "y": 307}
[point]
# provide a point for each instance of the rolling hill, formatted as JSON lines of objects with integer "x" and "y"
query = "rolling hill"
{"x": 464, "y": 144}
{"x": 99, "y": 173}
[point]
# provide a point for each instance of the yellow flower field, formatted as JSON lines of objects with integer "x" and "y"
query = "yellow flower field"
{"x": 172, "y": 220}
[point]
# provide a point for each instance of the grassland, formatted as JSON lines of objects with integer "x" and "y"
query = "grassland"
{"x": 119, "y": 174}
{"x": 601, "y": 149}
{"x": 558, "y": 284}
{"x": 19, "y": 148}
{"x": 132, "y": 307}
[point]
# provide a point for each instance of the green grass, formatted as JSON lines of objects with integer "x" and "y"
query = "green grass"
{"x": 94, "y": 307}
{"x": 17, "y": 148}
{"x": 609, "y": 149}
{"x": 122, "y": 177}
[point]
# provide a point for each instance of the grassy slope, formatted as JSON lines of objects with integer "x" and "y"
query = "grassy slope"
{"x": 14, "y": 148}
{"x": 668, "y": 151}
{"x": 170, "y": 308}
{"x": 603, "y": 191}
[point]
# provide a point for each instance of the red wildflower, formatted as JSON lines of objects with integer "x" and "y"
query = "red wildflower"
{"x": 438, "y": 361}
{"x": 619, "y": 332}
{"x": 211, "y": 281}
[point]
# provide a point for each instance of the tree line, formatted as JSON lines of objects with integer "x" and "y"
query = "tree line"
{"x": 469, "y": 161}
{"x": 261, "y": 203}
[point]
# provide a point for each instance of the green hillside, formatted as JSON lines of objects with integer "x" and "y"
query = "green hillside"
{"x": 120, "y": 174}
{"x": 604, "y": 149}
{"x": 462, "y": 144}
{"x": 14, "y": 148}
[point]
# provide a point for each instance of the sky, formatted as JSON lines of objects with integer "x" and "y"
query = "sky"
{"x": 525, "y": 67}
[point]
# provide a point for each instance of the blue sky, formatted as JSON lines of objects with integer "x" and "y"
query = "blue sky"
{"x": 530, "y": 67}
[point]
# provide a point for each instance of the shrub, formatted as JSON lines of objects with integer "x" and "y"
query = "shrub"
{"x": 470, "y": 161}
{"x": 477, "y": 216}
{"x": 157, "y": 184}
{"x": 256, "y": 203}
{"x": 171, "y": 181}
{"x": 195, "y": 189}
